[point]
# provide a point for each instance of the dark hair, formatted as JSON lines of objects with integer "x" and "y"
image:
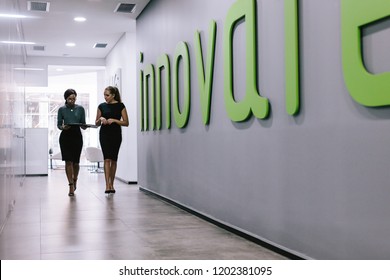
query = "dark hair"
{"x": 68, "y": 93}
{"x": 115, "y": 91}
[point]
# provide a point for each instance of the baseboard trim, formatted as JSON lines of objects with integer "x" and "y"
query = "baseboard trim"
{"x": 126, "y": 181}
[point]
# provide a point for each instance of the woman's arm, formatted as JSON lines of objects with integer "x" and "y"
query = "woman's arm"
{"x": 82, "y": 121}
{"x": 60, "y": 120}
{"x": 99, "y": 119}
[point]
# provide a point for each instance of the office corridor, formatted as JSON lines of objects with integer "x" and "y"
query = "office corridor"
{"x": 130, "y": 224}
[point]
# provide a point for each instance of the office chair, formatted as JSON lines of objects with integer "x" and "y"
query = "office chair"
{"x": 53, "y": 159}
{"x": 95, "y": 156}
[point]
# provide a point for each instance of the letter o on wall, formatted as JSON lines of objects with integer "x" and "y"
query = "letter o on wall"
{"x": 181, "y": 115}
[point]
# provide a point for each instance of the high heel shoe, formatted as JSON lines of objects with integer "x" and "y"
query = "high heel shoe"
{"x": 75, "y": 184}
{"x": 71, "y": 190}
{"x": 107, "y": 191}
{"x": 112, "y": 191}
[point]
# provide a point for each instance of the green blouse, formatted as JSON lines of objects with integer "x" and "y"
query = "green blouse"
{"x": 67, "y": 115}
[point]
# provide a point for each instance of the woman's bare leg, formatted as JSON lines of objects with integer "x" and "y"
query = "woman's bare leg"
{"x": 112, "y": 173}
{"x": 76, "y": 169}
{"x": 69, "y": 175}
{"x": 107, "y": 170}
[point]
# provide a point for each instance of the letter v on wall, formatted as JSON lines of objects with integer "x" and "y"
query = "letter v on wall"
{"x": 205, "y": 80}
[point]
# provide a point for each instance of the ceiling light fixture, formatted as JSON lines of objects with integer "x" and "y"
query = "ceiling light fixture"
{"x": 17, "y": 42}
{"x": 70, "y": 44}
{"x": 12, "y": 16}
{"x": 80, "y": 19}
{"x": 29, "y": 69}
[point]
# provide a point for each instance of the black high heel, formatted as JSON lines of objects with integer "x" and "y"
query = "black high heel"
{"x": 74, "y": 184}
{"x": 112, "y": 191}
{"x": 71, "y": 192}
{"x": 107, "y": 191}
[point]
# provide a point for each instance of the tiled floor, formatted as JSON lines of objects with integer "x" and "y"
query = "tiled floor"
{"x": 46, "y": 224}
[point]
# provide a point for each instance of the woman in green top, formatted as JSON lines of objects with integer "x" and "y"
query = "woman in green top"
{"x": 71, "y": 139}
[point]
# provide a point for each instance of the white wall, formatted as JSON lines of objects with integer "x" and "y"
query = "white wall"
{"x": 123, "y": 57}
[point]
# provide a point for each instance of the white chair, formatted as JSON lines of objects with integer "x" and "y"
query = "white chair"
{"x": 53, "y": 158}
{"x": 95, "y": 156}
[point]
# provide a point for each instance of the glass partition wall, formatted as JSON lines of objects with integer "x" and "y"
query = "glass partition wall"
{"x": 11, "y": 115}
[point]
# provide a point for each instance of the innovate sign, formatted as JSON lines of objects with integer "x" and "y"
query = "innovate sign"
{"x": 364, "y": 87}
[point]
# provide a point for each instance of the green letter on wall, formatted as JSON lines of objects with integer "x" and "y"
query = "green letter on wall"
{"x": 366, "y": 88}
{"x": 149, "y": 80}
{"x": 291, "y": 55}
{"x": 205, "y": 81}
{"x": 142, "y": 101}
{"x": 253, "y": 102}
{"x": 181, "y": 116}
{"x": 163, "y": 63}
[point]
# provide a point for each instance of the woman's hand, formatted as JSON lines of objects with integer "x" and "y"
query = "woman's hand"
{"x": 110, "y": 121}
{"x": 103, "y": 120}
{"x": 65, "y": 127}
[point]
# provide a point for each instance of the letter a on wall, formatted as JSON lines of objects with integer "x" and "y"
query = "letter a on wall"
{"x": 253, "y": 102}
{"x": 365, "y": 88}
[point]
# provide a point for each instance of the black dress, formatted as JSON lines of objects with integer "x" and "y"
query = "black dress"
{"x": 71, "y": 140}
{"x": 110, "y": 135}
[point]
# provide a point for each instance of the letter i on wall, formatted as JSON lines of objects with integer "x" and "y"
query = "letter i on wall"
{"x": 291, "y": 26}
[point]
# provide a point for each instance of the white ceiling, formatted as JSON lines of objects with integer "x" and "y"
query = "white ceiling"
{"x": 55, "y": 28}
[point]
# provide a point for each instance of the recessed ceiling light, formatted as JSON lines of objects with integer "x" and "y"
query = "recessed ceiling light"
{"x": 29, "y": 69}
{"x": 12, "y": 16}
{"x": 70, "y": 44}
{"x": 80, "y": 19}
{"x": 17, "y": 42}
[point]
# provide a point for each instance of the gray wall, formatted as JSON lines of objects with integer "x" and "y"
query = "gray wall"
{"x": 315, "y": 184}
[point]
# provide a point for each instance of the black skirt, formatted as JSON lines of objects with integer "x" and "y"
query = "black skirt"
{"x": 71, "y": 143}
{"x": 110, "y": 137}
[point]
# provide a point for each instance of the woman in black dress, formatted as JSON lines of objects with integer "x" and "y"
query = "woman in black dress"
{"x": 71, "y": 139}
{"x": 111, "y": 115}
